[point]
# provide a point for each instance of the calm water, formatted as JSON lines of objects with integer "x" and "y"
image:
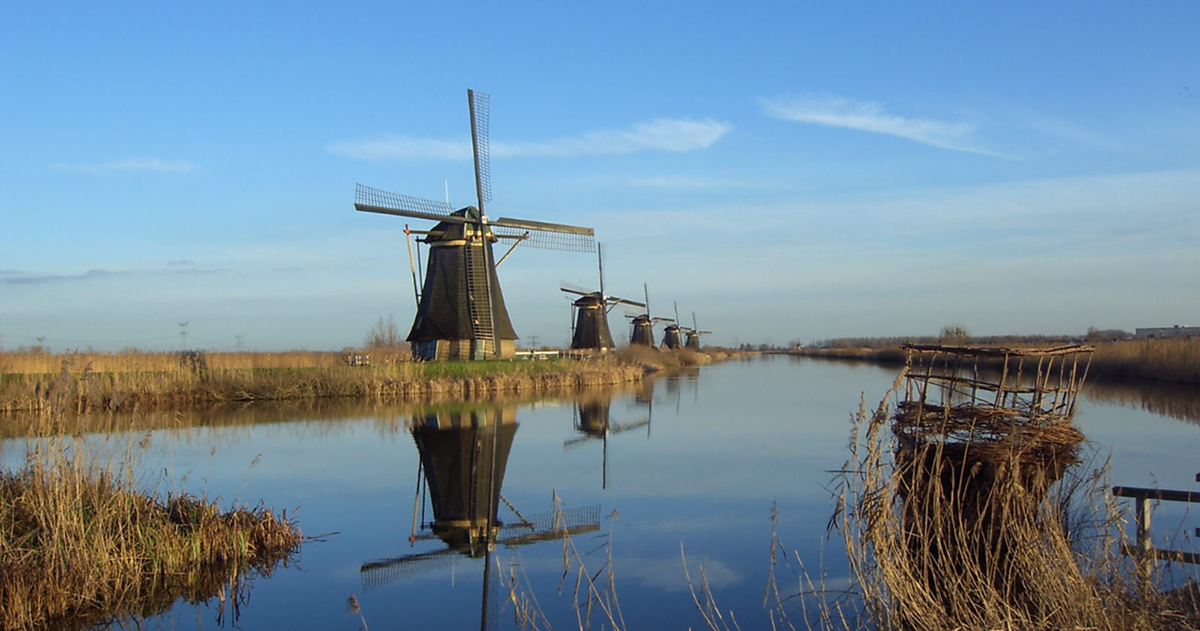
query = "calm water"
{"x": 697, "y": 461}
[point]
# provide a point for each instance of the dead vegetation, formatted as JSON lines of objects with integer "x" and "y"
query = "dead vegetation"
{"x": 84, "y": 382}
{"x": 952, "y": 518}
{"x": 81, "y": 542}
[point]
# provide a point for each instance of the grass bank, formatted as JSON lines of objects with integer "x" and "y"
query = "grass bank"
{"x": 1163, "y": 360}
{"x": 80, "y": 543}
{"x": 83, "y": 382}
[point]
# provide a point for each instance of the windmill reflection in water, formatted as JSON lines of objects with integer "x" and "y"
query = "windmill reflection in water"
{"x": 593, "y": 422}
{"x": 463, "y": 456}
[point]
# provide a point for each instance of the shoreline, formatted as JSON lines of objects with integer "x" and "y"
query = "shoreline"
{"x": 98, "y": 382}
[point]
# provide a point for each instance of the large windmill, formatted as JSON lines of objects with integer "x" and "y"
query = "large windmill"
{"x": 643, "y": 324}
{"x": 693, "y": 335}
{"x": 460, "y": 310}
{"x": 591, "y": 314}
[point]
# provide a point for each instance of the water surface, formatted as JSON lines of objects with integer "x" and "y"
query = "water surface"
{"x": 693, "y": 463}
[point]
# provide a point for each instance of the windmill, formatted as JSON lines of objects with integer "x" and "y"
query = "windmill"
{"x": 591, "y": 314}
{"x": 643, "y": 324}
{"x": 460, "y": 310}
{"x": 463, "y": 457}
{"x": 693, "y": 335}
{"x": 671, "y": 334}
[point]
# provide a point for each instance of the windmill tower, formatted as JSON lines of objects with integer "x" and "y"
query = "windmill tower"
{"x": 643, "y": 324}
{"x": 672, "y": 334}
{"x": 460, "y": 310}
{"x": 693, "y": 335}
{"x": 591, "y": 315}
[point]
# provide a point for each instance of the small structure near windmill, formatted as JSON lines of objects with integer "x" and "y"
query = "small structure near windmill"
{"x": 982, "y": 434}
{"x": 460, "y": 308}
{"x": 591, "y": 309}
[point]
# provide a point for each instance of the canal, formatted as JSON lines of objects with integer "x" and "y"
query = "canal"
{"x": 681, "y": 473}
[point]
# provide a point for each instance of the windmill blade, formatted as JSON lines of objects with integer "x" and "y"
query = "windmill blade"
{"x": 622, "y": 301}
{"x": 576, "y": 291}
{"x": 547, "y": 236}
{"x": 479, "y": 104}
{"x": 383, "y": 571}
{"x": 619, "y": 428}
{"x": 373, "y": 200}
{"x": 551, "y": 525}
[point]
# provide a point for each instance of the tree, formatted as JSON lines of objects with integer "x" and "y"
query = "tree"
{"x": 383, "y": 335}
{"x": 954, "y": 335}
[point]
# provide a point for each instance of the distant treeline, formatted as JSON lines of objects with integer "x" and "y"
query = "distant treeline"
{"x": 1117, "y": 356}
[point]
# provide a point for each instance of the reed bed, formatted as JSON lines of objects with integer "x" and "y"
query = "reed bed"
{"x": 81, "y": 543}
{"x": 1170, "y": 360}
{"x": 987, "y": 532}
{"x": 81, "y": 383}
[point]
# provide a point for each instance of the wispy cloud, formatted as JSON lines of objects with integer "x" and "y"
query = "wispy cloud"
{"x": 671, "y": 135}
{"x": 18, "y": 277}
{"x": 680, "y": 183}
{"x": 13, "y": 277}
{"x": 838, "y": 111}
{"x": 133, "y": 164}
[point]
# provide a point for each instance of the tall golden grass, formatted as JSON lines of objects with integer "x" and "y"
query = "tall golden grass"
{"x": 940, "y": 552}
{"x": 1171, "y": 360}
{"x": 81, "y": 382}
{"x": 81, "y": 542}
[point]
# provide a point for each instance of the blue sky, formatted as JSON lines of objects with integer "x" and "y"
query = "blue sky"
{"x": 786, "y": 170}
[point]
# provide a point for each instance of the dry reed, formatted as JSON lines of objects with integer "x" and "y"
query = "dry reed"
{"x": 88, "y": 382}
{"x": 81, "y": 543}
{"x": 939, "y": 539}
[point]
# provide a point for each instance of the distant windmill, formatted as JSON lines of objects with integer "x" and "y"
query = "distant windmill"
{"x": 643, "y": 324}
{"x": 591, "y": 314}
{"x": 460, "y": 311}
{"x": 693, "y": 335}
{"x": 671, "y": 334}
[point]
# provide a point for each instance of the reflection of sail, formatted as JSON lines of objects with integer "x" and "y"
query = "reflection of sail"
{"x": 541, "y": 527}
{"x": 463, "y": 457}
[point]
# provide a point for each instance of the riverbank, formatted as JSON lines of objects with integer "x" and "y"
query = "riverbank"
{"x": 91, "y": 382}
{"x": 1174, "y": 361}
{"x": 83, "y": 544}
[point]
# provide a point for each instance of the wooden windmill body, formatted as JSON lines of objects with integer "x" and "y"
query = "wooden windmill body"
{"x": 693, "y": 335}
{"x": 460, "y": 307}
{"x": 591, "y": 330}
{"x": 642, "y": 325}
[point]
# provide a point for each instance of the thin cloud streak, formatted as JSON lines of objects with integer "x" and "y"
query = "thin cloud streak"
{"x": 838, "y": 111}
{"x": 670, "y": 135}
{"x": 682, "y": 183}
{"x": 133, "y": 164}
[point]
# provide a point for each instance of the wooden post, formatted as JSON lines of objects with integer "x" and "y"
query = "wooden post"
{"x": 1144, "y": 543}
